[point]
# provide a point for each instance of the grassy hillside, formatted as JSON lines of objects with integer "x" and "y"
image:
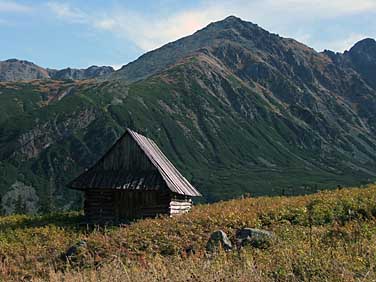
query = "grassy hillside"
{"x": 328, "y": 236}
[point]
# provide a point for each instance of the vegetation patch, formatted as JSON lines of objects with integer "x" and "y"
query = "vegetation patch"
{"x": 328, "y": 236}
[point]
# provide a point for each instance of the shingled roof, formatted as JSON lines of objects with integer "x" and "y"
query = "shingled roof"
{"x": 134, "y": 162}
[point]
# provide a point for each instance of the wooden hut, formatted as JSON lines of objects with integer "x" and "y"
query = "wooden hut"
{"x": 134, "y": 179}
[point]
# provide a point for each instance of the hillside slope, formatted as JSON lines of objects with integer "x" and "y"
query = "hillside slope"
{"x": 245, "y": 111}
{"x": 329, "y": 236}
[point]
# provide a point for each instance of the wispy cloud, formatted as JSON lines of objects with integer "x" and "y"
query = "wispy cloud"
{"x": 149, "y": 32}
{"x": 68, "y": 13}
{"x": 152, "y": 33}
{"x": 321, "y": 8}
{"x": 14, "y": 7}
{"x": 344, "y": 43}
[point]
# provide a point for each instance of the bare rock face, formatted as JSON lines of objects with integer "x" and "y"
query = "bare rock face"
{"x": 33, "y": 142}
{"x": 13, "y": 70}
{"x": 363, "y": 59}
{"x": 76, "y": 74}
{"x": 20, "y": 70}
{"x": 20, "y": 199}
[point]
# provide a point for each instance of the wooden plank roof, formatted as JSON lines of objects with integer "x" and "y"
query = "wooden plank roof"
{"x": 132, "y": 179}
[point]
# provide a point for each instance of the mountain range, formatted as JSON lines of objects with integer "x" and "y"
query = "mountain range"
{"x": 236, "y": 108}
{"x": 18, "y": 70}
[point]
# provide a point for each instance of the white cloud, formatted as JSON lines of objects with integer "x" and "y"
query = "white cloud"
{"x": 152, "y": 33}
{"x": 322, "y": 8}
{"x": 284, "y": 16}
{"x": 106, "y": 23}
{"x": 116, "y": 67}
{"x": 66, "y": 12}
{"x": 13, "y": 7}
{"x": 344, "y": 44}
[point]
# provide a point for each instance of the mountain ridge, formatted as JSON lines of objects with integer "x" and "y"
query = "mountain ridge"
{"x": 172, "y": 52}
{"x": 18, "y": 70}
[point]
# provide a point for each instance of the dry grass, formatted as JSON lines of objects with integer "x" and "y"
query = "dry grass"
{"x": 329, "y": 236}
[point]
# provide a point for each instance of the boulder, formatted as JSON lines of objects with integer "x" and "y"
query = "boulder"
{"x": 253, "y": 237}
{"x": 218, "y": 239}
{"x": 75, "y": 249}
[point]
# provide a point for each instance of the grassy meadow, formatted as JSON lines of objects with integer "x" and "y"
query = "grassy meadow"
{"x": 328, "y": 236}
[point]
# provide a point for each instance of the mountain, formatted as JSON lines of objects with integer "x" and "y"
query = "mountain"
{"x": 236, "y": 108}
{"x": 17, "y": 70}
{"x": 13, "y": 69}
{"x": 363, "y": 59}
{"x": 90, "y": 72}
{"x": 212, "y": 35}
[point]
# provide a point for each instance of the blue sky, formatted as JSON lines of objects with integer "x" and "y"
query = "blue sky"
{"x": 80, "y": 33}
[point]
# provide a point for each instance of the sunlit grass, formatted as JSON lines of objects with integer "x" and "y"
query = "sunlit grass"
{"x": 329, "y": 236}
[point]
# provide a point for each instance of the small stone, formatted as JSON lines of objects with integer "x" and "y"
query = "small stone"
{"x": 75, "y": 249}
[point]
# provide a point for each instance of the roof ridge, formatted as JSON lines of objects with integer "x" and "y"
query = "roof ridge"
{"x": 170, "y": 181}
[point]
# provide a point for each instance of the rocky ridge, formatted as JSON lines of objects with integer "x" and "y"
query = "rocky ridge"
{"x": 21, "y": 70}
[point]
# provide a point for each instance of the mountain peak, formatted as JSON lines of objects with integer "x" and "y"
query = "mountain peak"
{"x": 14, "y": 69}
{"x": 15, "y": 61}
{"x": 367, "y": 41}
{"x": 232, "y": 18}
{"x": 232, "y": 22}
{"x": 229, "y": 30}
{"x": 363, "y": 57}
{"x": 364, "y": 46}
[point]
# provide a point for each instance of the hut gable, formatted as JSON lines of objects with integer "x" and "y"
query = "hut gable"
{"x": 134, "y": 163}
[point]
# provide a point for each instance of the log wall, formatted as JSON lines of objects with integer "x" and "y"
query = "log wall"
{"x": 180, "y": 204}
{"x": 109, "y": 206}
{"x": 99, "y": 206}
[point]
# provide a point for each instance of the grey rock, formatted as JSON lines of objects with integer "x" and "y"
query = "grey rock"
{"x": 14, "y": 70}
{"x": 218, "y": 239}
{"x": 75, "y": 74}
{"x": 75, "y": 249}
{"x": 253, "y": 237}
{"x": 20, "y": 199}
{"x": 34, "y": 141}
{"x": 20, "y": 70}
{"x": 363, "y": 59}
